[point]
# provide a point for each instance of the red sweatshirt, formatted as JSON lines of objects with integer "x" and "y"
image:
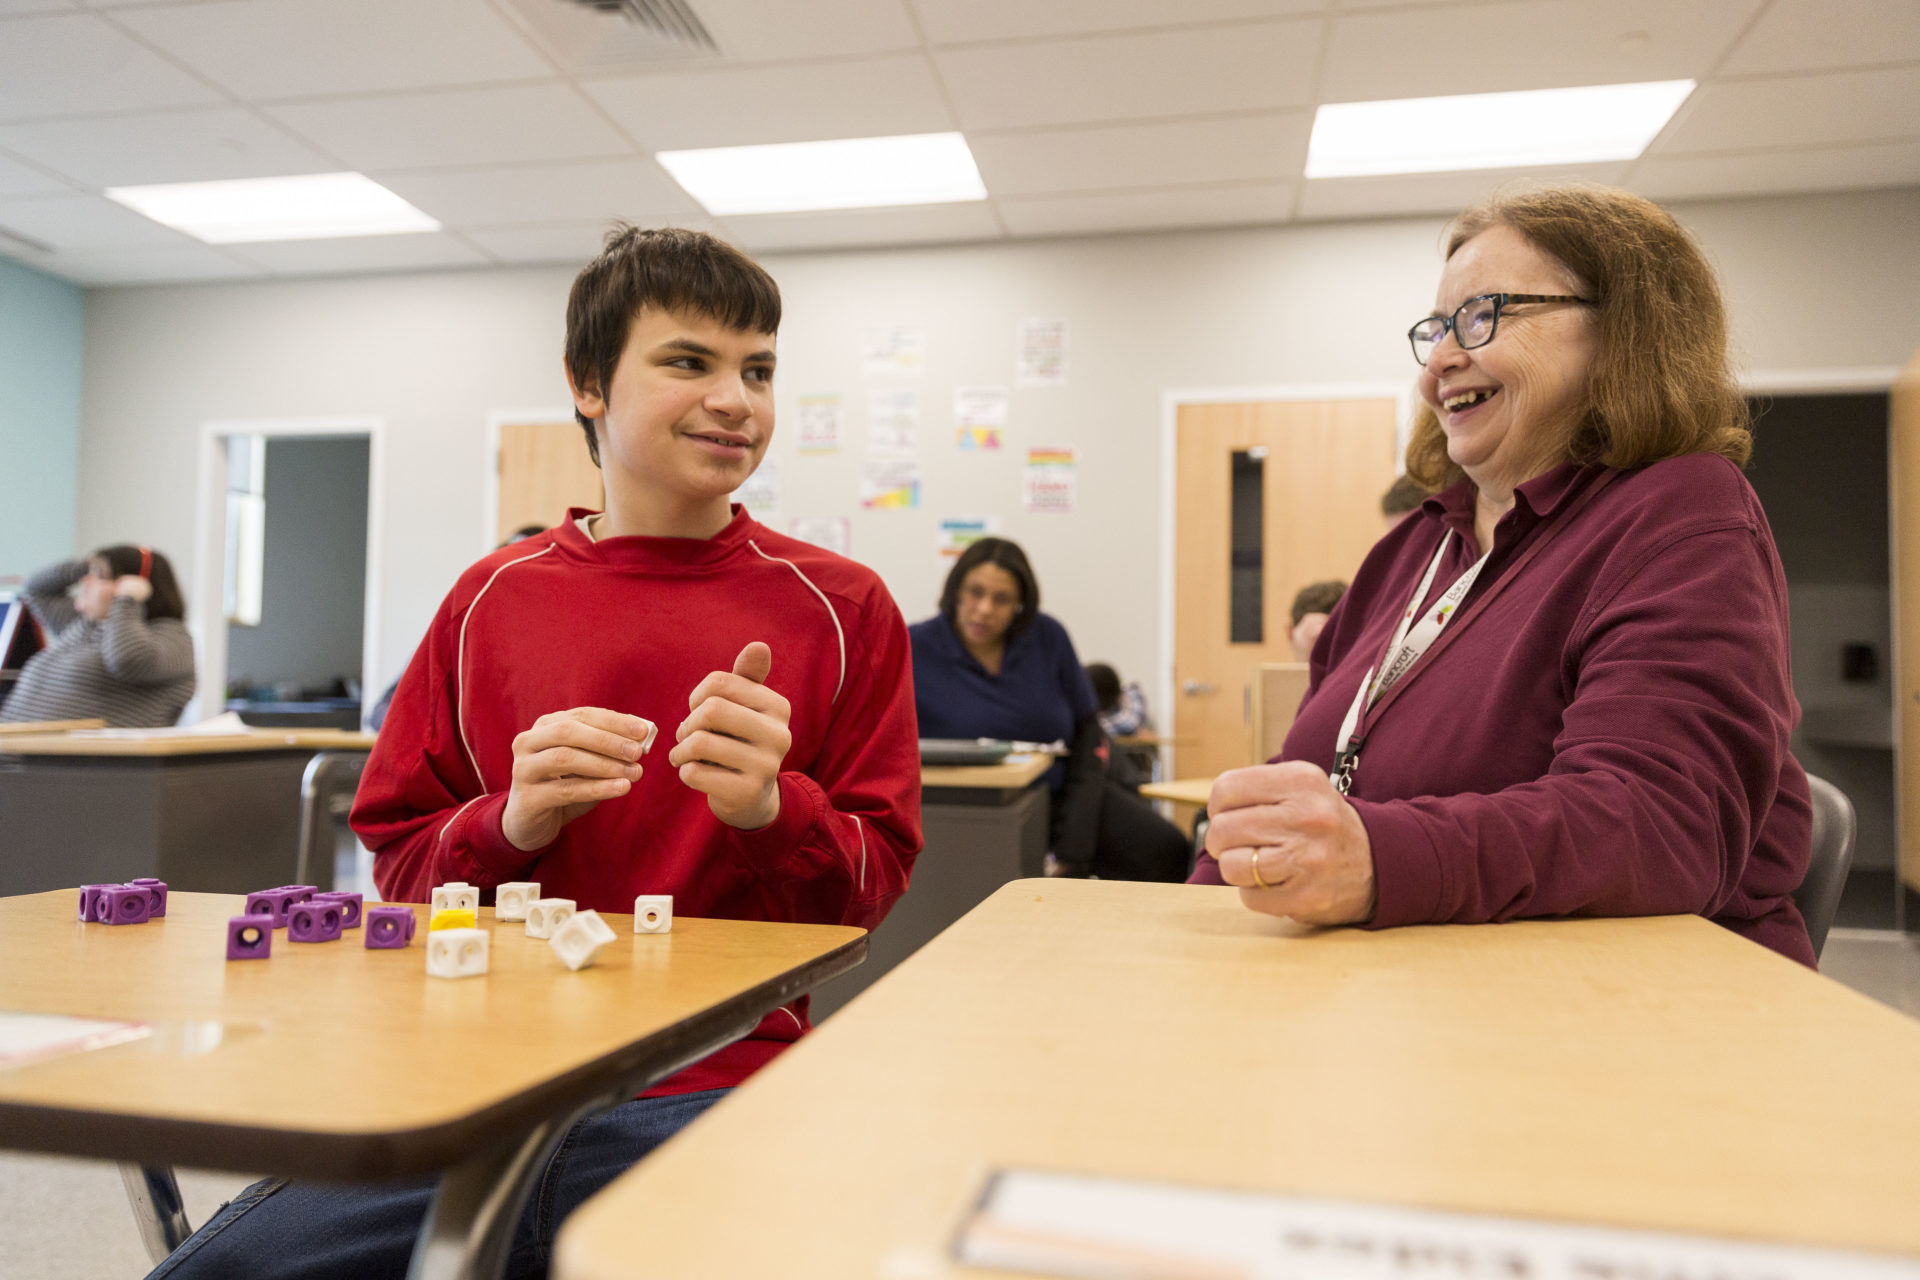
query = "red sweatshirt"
{"x": 1609, "y": 737}
{"x": 634, "y": 624}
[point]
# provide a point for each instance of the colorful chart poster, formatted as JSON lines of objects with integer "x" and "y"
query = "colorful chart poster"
{"x": 760, "y": 495}
{"x": 888, "y": 484}
{"x": 893, "y": 423}
{"x": 835, "y": 533}
{"x": 1049, "y": 481}
{"x": 1040, "y": 353}
{"x": 961, "y": 532}
{"x": 819, "y": 430}
{"x": 893, "y": 351}
{"x": 979, "y": 416}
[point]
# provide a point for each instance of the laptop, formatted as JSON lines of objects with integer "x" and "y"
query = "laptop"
{"x": 963, "y": 750}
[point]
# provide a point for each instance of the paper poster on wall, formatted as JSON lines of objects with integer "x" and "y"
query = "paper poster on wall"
{"x": 835, "y": 533}
{"x": 1040, "y": 353}
{"x": 893, "y": 351}
{"x": 819, "y": 429}
{"x": 890, "y": 483}
{"x": 960, "y": 532}
{"x": 893, "y": 423}
{"x": 979, "y": 416}
{"x": 760, "y": 495}
{"x": 1049, "y": 481}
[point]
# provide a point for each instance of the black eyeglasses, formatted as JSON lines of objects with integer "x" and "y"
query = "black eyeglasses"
{"x": 1474, "y": 321}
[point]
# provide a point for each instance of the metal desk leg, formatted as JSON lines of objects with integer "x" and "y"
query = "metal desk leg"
{"x": 325, "y": 772}
{"x": 157, "y": 1209}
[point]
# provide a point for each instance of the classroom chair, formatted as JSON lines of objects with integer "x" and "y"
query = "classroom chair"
{"x": 1818, "y": 896}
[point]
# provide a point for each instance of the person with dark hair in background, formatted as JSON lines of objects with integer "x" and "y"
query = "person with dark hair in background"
{"x": 117, "y": 643}
{"x": 1123, "y": 707}
{"x": 991, "y": 665}
{"x": 1312, "y": 605}
{"x": 1402, "y": 498}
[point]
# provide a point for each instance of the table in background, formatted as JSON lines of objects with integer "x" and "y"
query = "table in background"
{"x": 49, "y": 726}
{"x": 336, "y": 1062}
{"x": 984, "y": 825}
{"x": 1187, "y": 796}
{"x": 1655, "y": 1073}
{"x": 212, "y": 812}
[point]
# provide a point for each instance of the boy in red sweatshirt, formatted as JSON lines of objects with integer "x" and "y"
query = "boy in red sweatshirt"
{"x": 665, "y": 697}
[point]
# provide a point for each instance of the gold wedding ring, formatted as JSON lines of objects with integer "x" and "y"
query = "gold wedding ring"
{"x": 1255, "y": 864}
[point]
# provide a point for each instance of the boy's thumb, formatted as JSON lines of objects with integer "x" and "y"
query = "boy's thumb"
{"x": 754, "y": 662}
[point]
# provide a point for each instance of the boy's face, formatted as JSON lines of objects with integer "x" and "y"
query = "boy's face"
{"x": 689, "y": 412}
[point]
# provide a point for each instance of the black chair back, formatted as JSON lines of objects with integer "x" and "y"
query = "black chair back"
{"x": 1818, "y": 896}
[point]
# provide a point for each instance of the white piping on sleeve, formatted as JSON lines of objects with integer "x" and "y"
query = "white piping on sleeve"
{"x": 796, "y": 1018}
{"x": 861, "y": 827}
{"x": 838, "y": 632}
{"x": 460, "y": 665}
{"x": 442, "y": 834}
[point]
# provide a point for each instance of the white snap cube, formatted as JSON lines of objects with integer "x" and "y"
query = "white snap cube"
{"x": 457, "y": 953}
{"x": 455, "y": 895}
{"x": 578, "y": 941}
{"x": 653, "y": 913}
{"x": 510, "y": 901}
{"x": 546, "y": 915}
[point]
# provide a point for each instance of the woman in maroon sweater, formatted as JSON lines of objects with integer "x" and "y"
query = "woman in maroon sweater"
{"x": 1561, "y": 688}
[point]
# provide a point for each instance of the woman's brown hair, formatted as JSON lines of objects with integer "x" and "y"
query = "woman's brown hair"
{"x": 1661, "y": 384}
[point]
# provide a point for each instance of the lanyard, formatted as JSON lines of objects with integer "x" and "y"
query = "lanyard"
{"x": 1410, "y": 641}
{"x": 1400, "y": 661}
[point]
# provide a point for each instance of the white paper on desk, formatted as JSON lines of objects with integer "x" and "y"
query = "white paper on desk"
{"x": 33, "y": 1037}
{"x": 1056, "y": 1224}
{"x": 226, "y": 724}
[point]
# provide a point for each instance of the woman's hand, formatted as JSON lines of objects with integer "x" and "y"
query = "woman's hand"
{"x": 132, "y": 586}
{"x": 1311, "y": 848}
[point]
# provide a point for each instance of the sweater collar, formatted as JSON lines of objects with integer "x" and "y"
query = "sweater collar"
{"x": 654, "y": 553}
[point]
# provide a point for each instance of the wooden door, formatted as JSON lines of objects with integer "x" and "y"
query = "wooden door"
{"x": 1315, "y": 470}
{"x": 544, "y": 469}
{"x": 1903, "y": 465}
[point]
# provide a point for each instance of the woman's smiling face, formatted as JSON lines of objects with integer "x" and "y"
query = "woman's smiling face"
{"x": 1503, "y": 405}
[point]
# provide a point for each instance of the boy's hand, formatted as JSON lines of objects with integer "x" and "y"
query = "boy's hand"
{"x": 567, "y": 763}
{"x": 732, "y": 745}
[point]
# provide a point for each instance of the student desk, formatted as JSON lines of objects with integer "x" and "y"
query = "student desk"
{"x": 202, "y": 811}
{"x": 332, "y": 1061}
{"x": 984, "y": 825}
{"x": 1659, "y": 1073}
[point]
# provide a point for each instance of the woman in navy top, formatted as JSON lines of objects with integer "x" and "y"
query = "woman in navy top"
{"x": 991, "y": 665}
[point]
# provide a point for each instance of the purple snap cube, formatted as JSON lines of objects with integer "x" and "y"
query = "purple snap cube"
{"x": 350, "y": 905}
{"x": 250, "y": 937}
{"x": 313, "y": 922}
{"x": 272, "y": 902}
{"x": 125, "y": 904}
{"x": 389, "y": 928}
{"x": 156, "y": 891}
{"x": 300, "y": 892}
{"x": 91, "y": 900}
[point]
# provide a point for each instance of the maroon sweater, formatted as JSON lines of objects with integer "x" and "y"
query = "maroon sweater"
{"x": 1607, "y": 738}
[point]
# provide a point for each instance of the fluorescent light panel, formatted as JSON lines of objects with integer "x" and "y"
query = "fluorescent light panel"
{"x": 314, "y": 206}
{"x": 847, "y": 173}
{"x": 1491, "y": 130}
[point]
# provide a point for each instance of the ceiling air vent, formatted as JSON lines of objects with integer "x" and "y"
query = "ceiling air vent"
{"x": 605, "y": 35}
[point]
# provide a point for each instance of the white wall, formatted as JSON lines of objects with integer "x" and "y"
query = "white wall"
{"x": 1814, "y": 282}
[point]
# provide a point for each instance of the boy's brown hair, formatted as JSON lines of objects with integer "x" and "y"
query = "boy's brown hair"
{"x": 669, "y": 268}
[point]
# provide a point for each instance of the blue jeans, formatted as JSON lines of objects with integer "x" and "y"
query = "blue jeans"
{"x": 278, "y": 1230}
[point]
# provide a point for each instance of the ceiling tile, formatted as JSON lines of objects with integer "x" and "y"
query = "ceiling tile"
{"x": 1819, "y": 35}
{"x": 736, "y": 106}
{"x": 1247, "y": 67}
{"x": 461, "y": 127}
{"x": 1263, "y": 202}
{"x": 268, "y": 49}
{"x": 853, "y": 228}
{"x": 83, "y": 222}
{"x": 1122, "y": 157}
{"x": 1788, "y": 111}
{"x": 360, "y": 253}
{"x": 153, "y": 264}
{"x": 1892, "y": 164}
{"x": 594, "y": 191}
{"x": 18, "y": 179}
{"x": 964, "y": 21}
{"x": 1401, "y": 195}
{"x": 752, "y": 30}
{"x": 78, "y": 64}
{"x": 173, "y": 146}
{"x": 8, "y": 8}
{"x": 1537, "y": 44}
